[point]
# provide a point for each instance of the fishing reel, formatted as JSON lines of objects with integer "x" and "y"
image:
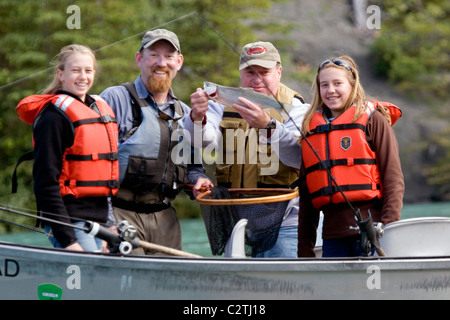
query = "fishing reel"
{"x": 124, "y": 242}
{"x": 127, "y": 234}
{"x": 370, "y": 232}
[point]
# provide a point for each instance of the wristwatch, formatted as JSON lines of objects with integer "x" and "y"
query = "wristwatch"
{"x": 272, "y": 124}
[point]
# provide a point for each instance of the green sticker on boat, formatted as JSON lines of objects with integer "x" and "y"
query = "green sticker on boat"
{"x": 49, "y": 291}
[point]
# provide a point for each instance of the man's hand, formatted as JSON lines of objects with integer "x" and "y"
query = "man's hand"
{"x": 199, "y": 103}
{"x": 255, "y": 116}
{"x": 202, "y": 185}
{"x": 75, "y": 246}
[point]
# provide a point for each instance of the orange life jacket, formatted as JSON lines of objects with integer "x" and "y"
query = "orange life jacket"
{"x": 344, "y": 150}
{"x": 90, "y": 165}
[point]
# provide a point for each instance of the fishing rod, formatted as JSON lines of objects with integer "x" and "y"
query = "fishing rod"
{"x": 369, "y": 235}
{"x": 364, "y": 226}
{"x": 91, "y": 228}
{"x": 123, "y": 241}
{"x": 21, "y": 225}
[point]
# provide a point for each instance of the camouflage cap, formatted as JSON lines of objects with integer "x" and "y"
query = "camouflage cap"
{"x": 153, "y": 36}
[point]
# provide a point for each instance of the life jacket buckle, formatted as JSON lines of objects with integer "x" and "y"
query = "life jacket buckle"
{"x": 113, "y": 156}
{"x": 323, "y": 128}
{"x": 72, "y": 183}
{"x": 113, "y": 184}
{"x": 105, "y": 118}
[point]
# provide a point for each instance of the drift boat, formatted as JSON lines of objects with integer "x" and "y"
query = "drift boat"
{"x": 416, "y": 266}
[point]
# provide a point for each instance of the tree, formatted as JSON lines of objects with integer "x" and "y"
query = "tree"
{"x": 412, "y": 49}
{"x": 32, "y": 33}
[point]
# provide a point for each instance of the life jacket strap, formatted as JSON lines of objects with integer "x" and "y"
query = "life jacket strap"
{"x": 111, "y": 156}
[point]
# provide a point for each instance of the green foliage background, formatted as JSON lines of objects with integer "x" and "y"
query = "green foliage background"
{"x": 411, "y": 50}
{"x": 32, "y": 32}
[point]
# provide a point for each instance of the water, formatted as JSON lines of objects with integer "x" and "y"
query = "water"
{"x": 434, "y": 209}
{"x": 195, "y": 239}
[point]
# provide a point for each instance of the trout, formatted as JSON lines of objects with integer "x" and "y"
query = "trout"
{"x": 229, "y": 95}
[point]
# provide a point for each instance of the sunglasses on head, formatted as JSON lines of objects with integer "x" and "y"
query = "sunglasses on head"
{"x": 337, "y": 62}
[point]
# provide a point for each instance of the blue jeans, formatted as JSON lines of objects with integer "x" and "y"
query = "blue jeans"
{"x": 286, "y": 245}
{"x": 86, "y": 241}
{"x": 344, "y": 247}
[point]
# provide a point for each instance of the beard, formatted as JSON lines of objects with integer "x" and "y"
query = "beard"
{"x": 160, "y": 85}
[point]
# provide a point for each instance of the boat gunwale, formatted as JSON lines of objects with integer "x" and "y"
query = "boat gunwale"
{"x": 417, "y": 220}
{"x": 172, "y": 263}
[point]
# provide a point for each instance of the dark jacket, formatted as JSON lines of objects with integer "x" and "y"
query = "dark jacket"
{"x": 52, "y": 134}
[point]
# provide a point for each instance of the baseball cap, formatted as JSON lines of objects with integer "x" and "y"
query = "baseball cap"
{"x": 259, "y": 53}
{"x": 153, "y": 36}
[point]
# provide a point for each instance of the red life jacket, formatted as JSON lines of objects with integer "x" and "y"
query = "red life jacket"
{"x": 343, "y": 149}
{"x": 91, "y": 164}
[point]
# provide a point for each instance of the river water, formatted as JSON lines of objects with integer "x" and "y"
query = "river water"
{"x": 195, "y": 239}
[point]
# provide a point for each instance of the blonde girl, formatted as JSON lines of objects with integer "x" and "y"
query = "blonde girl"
{"x": 349, "y": 136}
{"x": 75, "y": 151}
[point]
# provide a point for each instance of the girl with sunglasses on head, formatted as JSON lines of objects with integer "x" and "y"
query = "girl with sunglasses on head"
{"x": 353, "y": 137}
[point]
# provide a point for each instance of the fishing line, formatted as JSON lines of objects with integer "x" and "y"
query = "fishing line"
{"x": 22, "y": 226}
{"x": 7, "y": 209}
{"x": 204, "y": 21}
{"x": 124, "y": 242}
{"x": 356, "y": 212}
{"x": 365, "y": 227}
{"x": 102, "y": 48}
{"x": 220, "y": 35}
{"x": 143, "y": 32}
{"x": 32, "y": 213}
{"x": 10, "y": 209}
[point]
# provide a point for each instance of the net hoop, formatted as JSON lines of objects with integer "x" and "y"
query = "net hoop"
{"x": 281, "y": 195}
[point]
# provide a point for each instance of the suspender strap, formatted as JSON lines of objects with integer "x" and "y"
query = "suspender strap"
{"x": 25, "y": 157}
{"x": 136, "y": 103}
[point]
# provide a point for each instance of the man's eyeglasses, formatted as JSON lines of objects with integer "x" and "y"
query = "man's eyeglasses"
{"x": 337, "y": 62}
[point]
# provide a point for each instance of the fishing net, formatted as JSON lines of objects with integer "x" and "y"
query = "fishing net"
{"x": 264, "y": 209}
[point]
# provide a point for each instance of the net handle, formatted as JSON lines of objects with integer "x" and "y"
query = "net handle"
{"x": 288, "y": 194}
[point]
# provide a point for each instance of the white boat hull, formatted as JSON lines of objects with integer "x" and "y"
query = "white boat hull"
{"x": 408, "y": 272}
{"x": 97, "y": 276}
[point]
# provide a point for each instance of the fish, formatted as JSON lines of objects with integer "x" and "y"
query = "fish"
{"x": 229, "y": 95}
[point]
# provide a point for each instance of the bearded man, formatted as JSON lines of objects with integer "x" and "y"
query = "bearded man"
{"x": 150, "y": 120}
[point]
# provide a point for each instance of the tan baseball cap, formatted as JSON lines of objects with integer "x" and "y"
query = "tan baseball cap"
{"x": 153, "y": 36}
{"x": 259, "y": 53}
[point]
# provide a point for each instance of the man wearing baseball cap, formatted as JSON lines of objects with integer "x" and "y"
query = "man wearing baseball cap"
{"x": 149, "y": 114}
{"x": 262, "y": 54}
{"x": 260, "y": 69}
{"x": 150, "y": 37}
